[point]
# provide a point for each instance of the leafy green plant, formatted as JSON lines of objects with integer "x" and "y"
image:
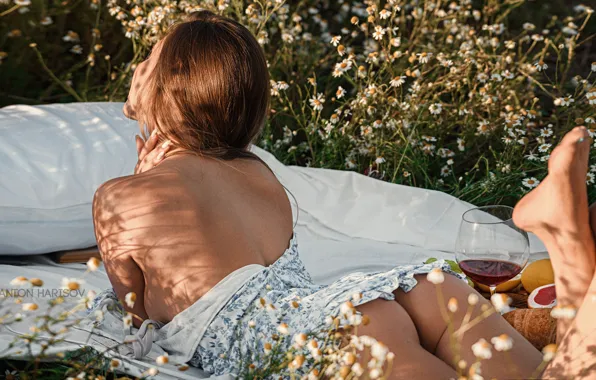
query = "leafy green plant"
{"x": 460, "y": 97}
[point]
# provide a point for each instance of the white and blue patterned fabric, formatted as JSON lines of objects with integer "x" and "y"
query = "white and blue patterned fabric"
{"x": 238, "y": 329}
{"x": 230, "y": 341}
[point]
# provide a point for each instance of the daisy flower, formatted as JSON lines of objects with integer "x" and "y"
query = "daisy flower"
{"x": 350, "y": 164}
{"x": 72, "y": 283}
{"x": 540, "y": 65}
{"x": 19, "y": 281}
{"x": 398, "y": 81}
{"x": 435, "y": 276}
{"x": 544, "y": 148}
{"x": 335, "y": 40}
{"x": 549, "y": 352}
{"x": 344, "y": 65}
{"x": 562, "y": 312}
{"x": 340, "y": 93}
{"x": 287, "y": 37}
{"x": 379, "y": 32}
{"x": 452, "y": 305}
{"x": 46, "y": 21}
{"x": 472, "y": 299}
{"x": 500, "y": 302}
{"x": 483, "y": 128}
{"x": 162, "y": 359}
{"x": 564, "y": 102}
{"x": 461, "y": 145}
{"x": 93, "y": 264}
{"x": 424, "y": 57}
{"x": 77, "y": 49}
{"x": 379, "y": 351}
{"x": 316, "y": 102}
{"x": 482, "y": 350}
{"x": 591, "y": 97}
{"x": 507, "y": 74}
{"x": 267, "y": 348}
{"x": 435, "y": 108}
{"x": 283, "y": 329}
{"x": 502, "y": 342}
{"x": 130, "y": 299}
{"x": 71, "y": 37}
{"x": 384, "y": 14}
{"x": 482, "y": 77}
{"x": 29, "y": 306}
{"x": 127, "y": 320}
{"x": 546, "y": 132}
{"x": 530, "y": 183}
{"x": 445, "y": 171}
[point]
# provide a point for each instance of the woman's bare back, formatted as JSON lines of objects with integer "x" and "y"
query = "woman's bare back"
{"x": 170, "y": 234}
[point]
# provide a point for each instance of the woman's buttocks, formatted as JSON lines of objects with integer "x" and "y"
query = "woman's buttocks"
{"x": 207, "y": 219}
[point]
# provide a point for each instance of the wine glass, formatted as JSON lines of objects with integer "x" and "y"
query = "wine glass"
{"x": 489, "y": 248}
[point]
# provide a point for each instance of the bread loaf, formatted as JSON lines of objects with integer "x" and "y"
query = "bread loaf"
{"x": 536, "y": 325}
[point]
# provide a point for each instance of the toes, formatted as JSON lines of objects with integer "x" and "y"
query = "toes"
{"x": 577, "y": 135}
{"x": 584, "y": 145}
{"x": 574, "y": 146}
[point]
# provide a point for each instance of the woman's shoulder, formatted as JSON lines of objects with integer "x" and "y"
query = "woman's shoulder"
{"x": 121, "y": 194}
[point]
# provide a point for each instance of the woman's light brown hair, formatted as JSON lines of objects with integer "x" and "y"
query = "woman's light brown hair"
{"x": 209, "y": 91}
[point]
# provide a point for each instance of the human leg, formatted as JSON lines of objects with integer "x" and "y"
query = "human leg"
{"x": 430, "y": 317}
{"x": 557, "y": 212}
{"x": 391, "y": 324}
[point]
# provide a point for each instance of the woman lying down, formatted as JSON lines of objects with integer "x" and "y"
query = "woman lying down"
{"x": 203, "y": 231}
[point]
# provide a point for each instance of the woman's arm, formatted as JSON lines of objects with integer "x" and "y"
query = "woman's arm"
{"x": 126, "y": 277}
{"x": 121, "y": 212}
{"x": 113, "y": 218}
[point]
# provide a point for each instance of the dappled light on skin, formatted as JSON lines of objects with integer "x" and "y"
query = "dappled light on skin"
{"x": 165, "y": 234}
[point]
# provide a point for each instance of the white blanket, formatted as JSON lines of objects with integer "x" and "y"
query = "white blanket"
{"x": 347, "y": 222}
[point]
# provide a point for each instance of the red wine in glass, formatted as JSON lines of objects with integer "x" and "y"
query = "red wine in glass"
{"x": 490, "y": 249}
{"x": 489, "y": 272}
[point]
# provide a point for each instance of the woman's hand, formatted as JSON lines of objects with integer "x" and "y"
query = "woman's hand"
{"x": 150, "y": 154}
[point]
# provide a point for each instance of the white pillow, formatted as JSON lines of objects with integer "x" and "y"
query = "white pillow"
{"x": 52, "y": 159}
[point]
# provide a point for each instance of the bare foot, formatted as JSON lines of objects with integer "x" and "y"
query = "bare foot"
{"x": 557, "y": 212}
{"x": 560, "y": 202}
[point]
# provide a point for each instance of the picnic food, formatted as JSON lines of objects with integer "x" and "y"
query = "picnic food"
{"x": 537, "y": 274}
{"x": 543, "y": 297}
{"x": 536, "y": 325}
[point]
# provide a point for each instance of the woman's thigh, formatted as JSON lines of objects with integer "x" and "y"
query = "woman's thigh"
{"x": 391, "y": 324}
{"x": 422, "y": 305}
